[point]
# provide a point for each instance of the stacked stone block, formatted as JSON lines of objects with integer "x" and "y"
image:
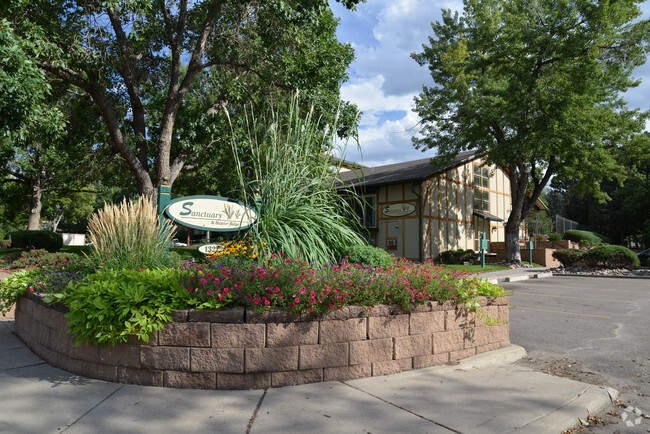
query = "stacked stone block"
{"x": 241, "y": 349}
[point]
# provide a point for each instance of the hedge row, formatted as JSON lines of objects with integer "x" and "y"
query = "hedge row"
{"x": 35, "y": 240}
{"x": 603, "y": 256}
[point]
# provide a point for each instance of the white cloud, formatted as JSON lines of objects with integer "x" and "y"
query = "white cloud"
{"x": 369, "y": 96}
{"x": 387, "y": 142}
{"x": 384, "y": 78}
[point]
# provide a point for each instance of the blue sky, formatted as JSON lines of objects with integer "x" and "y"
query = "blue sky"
{"x": 384, "y": 79}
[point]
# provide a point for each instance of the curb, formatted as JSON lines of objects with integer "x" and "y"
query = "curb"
{"x": 500, "y": 357}
{"x": 515, "y": 278}
{"x": 600, "y": 275}
{"x": 594, "y": 399}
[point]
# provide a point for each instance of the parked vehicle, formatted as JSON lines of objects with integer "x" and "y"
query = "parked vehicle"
{"x": 644, "y": 257}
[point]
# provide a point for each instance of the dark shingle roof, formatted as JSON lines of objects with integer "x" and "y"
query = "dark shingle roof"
{"x": 416, "y": 170}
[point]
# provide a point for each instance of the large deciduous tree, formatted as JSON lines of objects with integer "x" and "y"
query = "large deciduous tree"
{"x": 160, "y": 72}
{"x": 51, "y": 159}
{"x": 535, "y": 86}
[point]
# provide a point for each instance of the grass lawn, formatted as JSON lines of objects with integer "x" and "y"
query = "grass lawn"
{"x": 475, "y": 268}
{"x": 79, "y": 250}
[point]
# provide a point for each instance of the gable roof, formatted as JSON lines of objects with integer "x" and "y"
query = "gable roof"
{"x": 417, "y": 170}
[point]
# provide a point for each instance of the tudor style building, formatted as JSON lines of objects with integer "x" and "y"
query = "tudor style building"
{"x": 417, "y": 210}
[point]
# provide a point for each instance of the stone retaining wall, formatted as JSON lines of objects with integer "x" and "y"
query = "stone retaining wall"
{"x": 239, "y": 349}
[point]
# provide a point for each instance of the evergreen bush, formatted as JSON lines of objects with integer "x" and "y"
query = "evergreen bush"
{"x": 568, "y": 257}
{"x": 607, "y": 256}
{"x": 34, "y": 240}
{"x": 585, "y": 238}
{"x": 458, "y": 256}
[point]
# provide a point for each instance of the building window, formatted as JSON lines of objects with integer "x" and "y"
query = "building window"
{"x": 369, "y": 211}
{"x": 481, "y": 176}
{"x": 481, "y": 184}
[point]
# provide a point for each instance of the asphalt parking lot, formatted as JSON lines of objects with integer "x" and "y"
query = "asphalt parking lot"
{"x": 592, "y": 329}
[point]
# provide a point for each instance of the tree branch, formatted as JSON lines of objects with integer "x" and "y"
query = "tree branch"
{"x": 68, "y": 75}
{"x": 128, "y": 76}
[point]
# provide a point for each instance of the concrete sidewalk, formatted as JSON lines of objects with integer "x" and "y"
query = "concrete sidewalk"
{"x": 485, "y": 394}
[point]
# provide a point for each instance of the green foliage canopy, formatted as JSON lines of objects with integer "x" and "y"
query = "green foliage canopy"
{"x": 160, "y": 72}
{"x": 535, "y": 87}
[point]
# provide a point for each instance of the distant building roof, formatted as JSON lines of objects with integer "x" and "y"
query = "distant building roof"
{"x": 417, "y": 170}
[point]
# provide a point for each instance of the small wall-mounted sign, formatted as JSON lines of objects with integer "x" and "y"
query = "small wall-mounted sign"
{"x": 398, "y": 209}
{"x": 211, "y": 213}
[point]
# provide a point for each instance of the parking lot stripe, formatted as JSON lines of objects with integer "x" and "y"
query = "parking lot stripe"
{"x": 536, "y": 294}
{"x": 561, "y": 311}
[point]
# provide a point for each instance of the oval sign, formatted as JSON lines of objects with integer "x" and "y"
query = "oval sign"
{"x": 210, "y": 249}
{"x": 211, "y": 213}
{"x": 398, "y": 209}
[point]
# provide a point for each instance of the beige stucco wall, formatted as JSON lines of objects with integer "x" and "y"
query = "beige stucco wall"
{"x": 448, "y": 222}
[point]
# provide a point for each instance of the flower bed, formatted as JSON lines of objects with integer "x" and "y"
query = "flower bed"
{"x": 241, "y": 349}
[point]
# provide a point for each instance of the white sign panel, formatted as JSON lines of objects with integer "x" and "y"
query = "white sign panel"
{"x": 210, "y": 249}
{"x": 211, "y": 213}
{"x": 398, "y": 209}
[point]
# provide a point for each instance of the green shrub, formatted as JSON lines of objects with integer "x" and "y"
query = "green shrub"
{"x": 108, "y": 307}
{"x": 5, "y": 244}
{"x": 568, "y": 257}
{"x": 78, "y": 250}
{"x": 369, "y": 255}
{"x": 458, "y": 256}
{"x": 42, "y": 258}
{"x": 607, "y": 256}
{"x": 48, "y": 240}
{"x": 585, "y": 238}
{"x": 129, "y": 235}
{"x": 554, "y": 236}
{"x": 185, "y": 253}
{"x": 16, "y": 285}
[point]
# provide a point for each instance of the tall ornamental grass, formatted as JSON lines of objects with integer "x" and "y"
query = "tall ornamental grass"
{"x": 285, "y": 166}
{"x": 129, "y": 235}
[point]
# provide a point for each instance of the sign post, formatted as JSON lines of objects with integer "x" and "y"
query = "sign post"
{"x": 164, "y": 197}
{"x": 530, "y": 251}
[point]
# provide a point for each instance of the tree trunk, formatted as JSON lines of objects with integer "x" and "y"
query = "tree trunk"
{"x": 35, "y": 206}
{"x": 513, "y": 252}
{"x": 56, "y": 220}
